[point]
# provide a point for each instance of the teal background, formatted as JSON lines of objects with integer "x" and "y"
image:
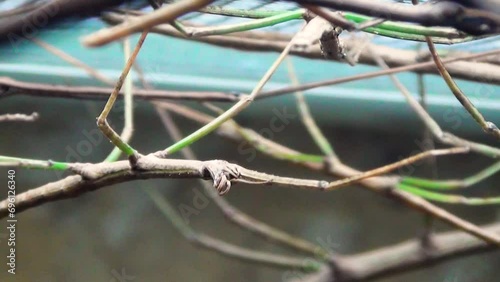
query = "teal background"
{"x": 183, "y": 65}
{"x": 100, "y": 233}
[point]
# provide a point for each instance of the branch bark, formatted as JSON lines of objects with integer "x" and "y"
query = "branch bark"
{"x": 441, "y": 13}
{"x": 383, "y": 185}
{"x": 9, "y": 86}
{"x": 404, "y": 256}
{"x": 94, "y": 176}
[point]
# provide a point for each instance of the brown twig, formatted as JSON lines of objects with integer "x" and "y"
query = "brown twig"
{"x": 487, "y": 126}
{"x": 442, "y": 13}
{"x": 380, "y": 185}
{"x": 406, "y": 59}
{"x": 405, "y": 256}
{"x": 164, "y": 14}
{"x": 72, "y": 60}
{"x": 222, "y": 247}
{"x": 9, "y": 86}
{"x": 308, "y": 121}
{"x": 94, "y": 176}
{"x": 236, "y": 215}
{"x": 390, "y": 167}
{"x": 432, "y": 125}
{"x": 336, "y": 19}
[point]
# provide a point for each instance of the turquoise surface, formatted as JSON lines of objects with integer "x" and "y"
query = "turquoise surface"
{"x": 184, "y": 65}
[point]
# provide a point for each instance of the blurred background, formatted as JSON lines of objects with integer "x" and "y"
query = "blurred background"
{"x": 102, "y": 235}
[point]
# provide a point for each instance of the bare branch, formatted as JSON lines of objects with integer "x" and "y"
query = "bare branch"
{"x": 404, "y": 256}
{"x": 222, "y": 247}
{"x": 94, "y": 176}
{"x": 382, "y": 185}
{"x": 11, "y": 86}
{"x": 164, "y": 14}
{"x": 441, "y": 13}
{"x": 487, "y": 126}
{"x": 236, "y": 215}
{"x": 266, "y": 41}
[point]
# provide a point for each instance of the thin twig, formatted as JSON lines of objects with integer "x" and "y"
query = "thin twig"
{"x": 380, "y": 185}
{"x": 72, "y": 60}
{"x": 266, "y": 41}
{"x": 487, "y": 126}
{"x": 128, "y": 128}
{"x": 164, "y": 14}
{"x": 245, "y": 26}
{"x": 453, "y": 184}
{"x": 388, "y": 168}
{"x": 102, "y": 122}
{"x": 387, "y": 71}
{"x": 30, "y": 163}
{"x": 236, "y": 215}
{"x": 222, "y": 247}
{"x": 231, "y": 112}
{"x": 449, "y": 198}
{"x": 441, "y": 13}
{"x": 309, "y": 122}
{"x": 428, "y": 221}
{"x": 9, "y": 86}
{"x": 334, "y": 18}
{"x": 431, "y": 124}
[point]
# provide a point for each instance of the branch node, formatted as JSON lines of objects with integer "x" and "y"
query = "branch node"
{"x": 323, "y": 185}
{"x": 329, "y": 164}
{"x": 133, "y": 160}
{"x": 221, "y": 173}
{"x": 85, "y": 171}
{"x": 490, "y": 127}
{"x": 428, "y": 245}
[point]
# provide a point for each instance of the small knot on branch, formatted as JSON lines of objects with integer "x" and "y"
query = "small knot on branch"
{"x": 491, "y": 127}
{"x": 221, "y": 173}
